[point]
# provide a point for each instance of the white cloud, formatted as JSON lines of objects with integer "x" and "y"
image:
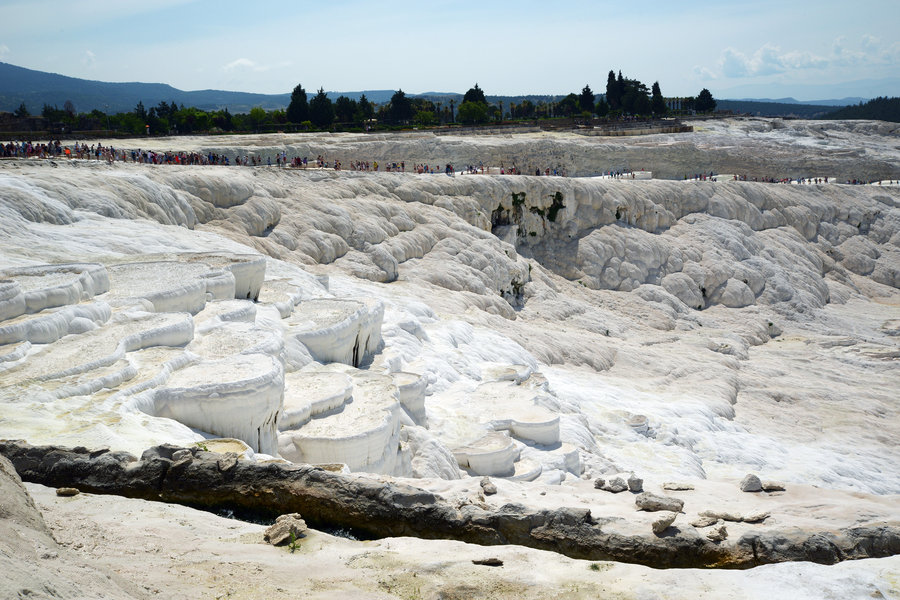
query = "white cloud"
{"x": 704, "y": 73}
{"x": 769, "y": 59}
{"x": 245, "y": 64}
{"x": 4, "y": 50}
{"x": 734, "y": 63}
{"x": 241, "y": 63}
{"x": 89, "y": 59}
{"x": 804, "y": 60}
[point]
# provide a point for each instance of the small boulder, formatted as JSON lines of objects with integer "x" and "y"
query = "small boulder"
{"x": 660, "y": 524}
{"x": 772, "y": 486}
{"x": 616, "y": 485}
{"x": 652, "y": 503}
{"x": 228, "y": 461}
{"x": 488, "y": 486}
{"x": 67, "y": 491}
{"x": 718, "y": 534}
{"x": 757, "y": 517}
{"x": 599, "y": 483}
{"x": 182, "y": 454}
{"x": 488, "y": 562}
{"x": 635, "y": 483}
{"x": 751, "y": 483}
{"x": 704, "y": 521}
{"x": 677, "y": 487}
{"x": 722, "y": 515}
{"x": 280, "y": 533}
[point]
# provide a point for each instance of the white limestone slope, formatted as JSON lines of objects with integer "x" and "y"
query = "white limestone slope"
{"x": 539, "y": 330}
{"x": 716, "y": 315}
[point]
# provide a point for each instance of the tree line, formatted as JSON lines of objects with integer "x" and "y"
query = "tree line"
{"x": 624, "y": 97}
{"x": 881, "y": 108}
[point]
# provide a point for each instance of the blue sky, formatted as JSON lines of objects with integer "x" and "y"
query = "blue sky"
{"x": 761, "y": 49}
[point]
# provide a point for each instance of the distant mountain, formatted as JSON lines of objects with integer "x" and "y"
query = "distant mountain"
{"x": 861, "y": 88}
{"x": 833, "y": 102}
{"x": 36, "y": 88}
{"x": 774, "y": 109}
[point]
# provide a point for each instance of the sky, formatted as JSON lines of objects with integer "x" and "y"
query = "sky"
{"x": 760, "y": 48}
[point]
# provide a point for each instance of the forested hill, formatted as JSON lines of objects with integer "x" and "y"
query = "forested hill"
{"x": 881, "y": 109}
{"x": 774, "y": 109}
{"x": 36, "y": 88}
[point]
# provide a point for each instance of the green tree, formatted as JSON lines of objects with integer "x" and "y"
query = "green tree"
{"x": 472, "y": 112}
{"x": 636, "y": 100}
{"x": 139, "y": 111}
{"x": 321, "y": 111}
{"x": 257, "y": 117}
{"x": 526, "y": 109}
{"x": 344, "y": 109}
{"x": 657, "y": 103}
{"x": 586, "y": 99}
{"x": 22, "y": 111}
{"x": 364, "y": 110}
{"x": 424, "y": 118}
{"x": 400, "y": 108}
{"x": 705, "y": 101}
{"x": 475, "y": 94}
{"x": 612, "y": 92}
{"x": 298, "y": 108}
{"x": 602, "y": 108}
{"x": 568, "y": 106}
{"x": 223, "y": 120}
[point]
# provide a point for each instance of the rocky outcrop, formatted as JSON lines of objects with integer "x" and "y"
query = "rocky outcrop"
{"x": 34, "y": 565}
{"x": 374, "y": 508}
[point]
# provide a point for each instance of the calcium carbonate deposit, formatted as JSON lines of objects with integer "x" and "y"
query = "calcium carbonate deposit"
{"x": 546, "y": 332}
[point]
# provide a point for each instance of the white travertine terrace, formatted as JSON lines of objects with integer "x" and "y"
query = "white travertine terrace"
{"x": 50, "y": 324}
{"x": 495, "y": 453}
{"x": 103, "y": 346}
{"x": 248, "y": 270}
{"x": 308, "y": 394}
{"x": 49, "y": 286}
{"x": 220, "y": 311}
{"x": 411, "y": 392}
{"x": 364, "y": 434}
{"x": 343, "y": 331}
{"x": 170, "y": 286}
{"x": 235, "y": 397}
{"x": 231, "y": 338}
{"x": 282, "y": 294}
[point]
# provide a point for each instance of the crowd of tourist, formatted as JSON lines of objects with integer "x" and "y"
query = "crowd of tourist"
{"x": 786, "y": 180}
{"x": 109, "y": 154}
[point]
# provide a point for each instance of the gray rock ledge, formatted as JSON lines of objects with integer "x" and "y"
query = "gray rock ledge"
{"x": 377, "y": 509}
